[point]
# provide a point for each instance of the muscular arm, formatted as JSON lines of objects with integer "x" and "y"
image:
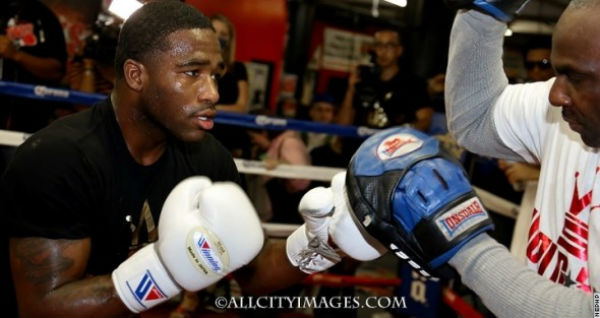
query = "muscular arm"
{"x": 509, "y": 289}
{"x": 49, "y": 278}
{"x": 269, "y": 271}
{"x": 474, "y": 81}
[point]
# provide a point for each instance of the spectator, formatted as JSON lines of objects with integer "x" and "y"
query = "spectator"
{"x": 93, "y": 71}
{"x": 33, "y": 51}
{"x": 233, "y": 88}
{"x": 282, "y": 147}
{"x": 322, "y": 110}
{"x": 386, "y": 94}
{"x": 538, "y": 64}
{"x": 435, "y": 93}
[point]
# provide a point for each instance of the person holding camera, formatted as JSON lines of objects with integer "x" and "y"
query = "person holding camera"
{"x": 32, "y": 51}
{"x": 92, "y": 70}
{"x": 385, "y": 94}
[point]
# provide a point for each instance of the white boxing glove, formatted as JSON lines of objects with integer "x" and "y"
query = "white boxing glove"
{"x": 327, "y": 215}
{"x": 205, "y": 231}
{"x": 307, "y": 247}
{"x": 344, "y": 229}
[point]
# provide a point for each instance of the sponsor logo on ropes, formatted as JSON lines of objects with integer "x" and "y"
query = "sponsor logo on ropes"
{"x": 44, "y": 91}
{"x": 366, "y": 131}
{"x": 263, "y": 120}
{"x": 398, "y": 145}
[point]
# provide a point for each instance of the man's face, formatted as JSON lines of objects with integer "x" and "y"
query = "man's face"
{"x": 387, "y": 48}
{"x": 182, "y": 84}
{"x": 576, "y": 61}
{"x": 321, "y": 112}
{"x": 537, "y": 63}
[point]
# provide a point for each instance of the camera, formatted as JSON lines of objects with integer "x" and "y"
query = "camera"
{"x": 369, "y": 73}
{"x": 366, "y": 91}
{"x": 101, "y": 44}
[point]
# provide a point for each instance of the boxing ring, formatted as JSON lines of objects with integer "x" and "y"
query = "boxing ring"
{"x": 492, "y": 202}
{"x": 40, "y": 92}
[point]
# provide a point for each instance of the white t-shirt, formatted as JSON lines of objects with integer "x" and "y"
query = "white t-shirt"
{"x": 564, "y": 234}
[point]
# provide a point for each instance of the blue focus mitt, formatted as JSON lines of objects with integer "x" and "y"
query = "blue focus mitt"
{"x": 414, "y": 198}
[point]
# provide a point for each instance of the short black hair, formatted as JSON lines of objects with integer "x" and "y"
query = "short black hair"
{"x": 146, "y": 30}
{"x": 393, "y": 30}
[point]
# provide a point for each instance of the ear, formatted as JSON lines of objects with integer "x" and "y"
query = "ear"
{"x": 134, "y": 73}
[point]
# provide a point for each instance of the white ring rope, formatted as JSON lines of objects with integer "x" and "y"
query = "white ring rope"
{"x": 287, "y": 171}
{"x": 12, "y": 138}
{"x": 491, "y": 201}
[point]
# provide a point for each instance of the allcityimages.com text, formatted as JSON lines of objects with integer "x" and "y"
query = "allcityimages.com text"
{"x": 300, "y": 302}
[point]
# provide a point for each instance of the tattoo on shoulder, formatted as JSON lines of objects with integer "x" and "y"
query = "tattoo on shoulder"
{"x": 42, "y": 259}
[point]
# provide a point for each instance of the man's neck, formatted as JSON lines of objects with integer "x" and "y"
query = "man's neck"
{"x": 387, "y": 73}
{"x": 145, "y": 141}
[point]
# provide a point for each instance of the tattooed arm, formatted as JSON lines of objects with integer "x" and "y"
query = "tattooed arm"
{"x": 49, "y": 278}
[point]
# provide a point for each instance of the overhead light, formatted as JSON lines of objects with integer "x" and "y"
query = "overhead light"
{"x": 124, "y": 8}
{"x": 401, "y": 3}
{"x": 508, "y": 32}
{"x": 375, "y": 9}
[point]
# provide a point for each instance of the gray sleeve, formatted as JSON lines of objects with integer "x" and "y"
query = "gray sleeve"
{"x": 474, "y": 81}
{"x": 509, "y": 289}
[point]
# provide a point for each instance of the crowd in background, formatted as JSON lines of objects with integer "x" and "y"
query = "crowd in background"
{"x": 381, "y": 94}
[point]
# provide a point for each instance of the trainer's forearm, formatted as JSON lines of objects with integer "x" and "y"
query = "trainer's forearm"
{"x": 269, "y": 271}
{"x": 474, "y": 80}
{"x": 90, "y": 297}
{"x": 509, "y": 289}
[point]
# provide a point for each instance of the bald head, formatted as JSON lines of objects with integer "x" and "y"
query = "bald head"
{"x": 579, "y": 21}
{"x": 576, "y": 59}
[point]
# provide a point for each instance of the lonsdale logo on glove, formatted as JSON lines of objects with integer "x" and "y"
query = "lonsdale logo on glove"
{"x": 414, "y": 198}
{"x": 398, "y": 145}
{"x": 461, "y": 218}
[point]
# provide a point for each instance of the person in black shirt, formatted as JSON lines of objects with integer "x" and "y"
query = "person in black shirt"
{"x": 385, "y": 94}
{"x": 233, "y": 88}
{"x": 84, "y": 193}
{"x": 33, "y": 51}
